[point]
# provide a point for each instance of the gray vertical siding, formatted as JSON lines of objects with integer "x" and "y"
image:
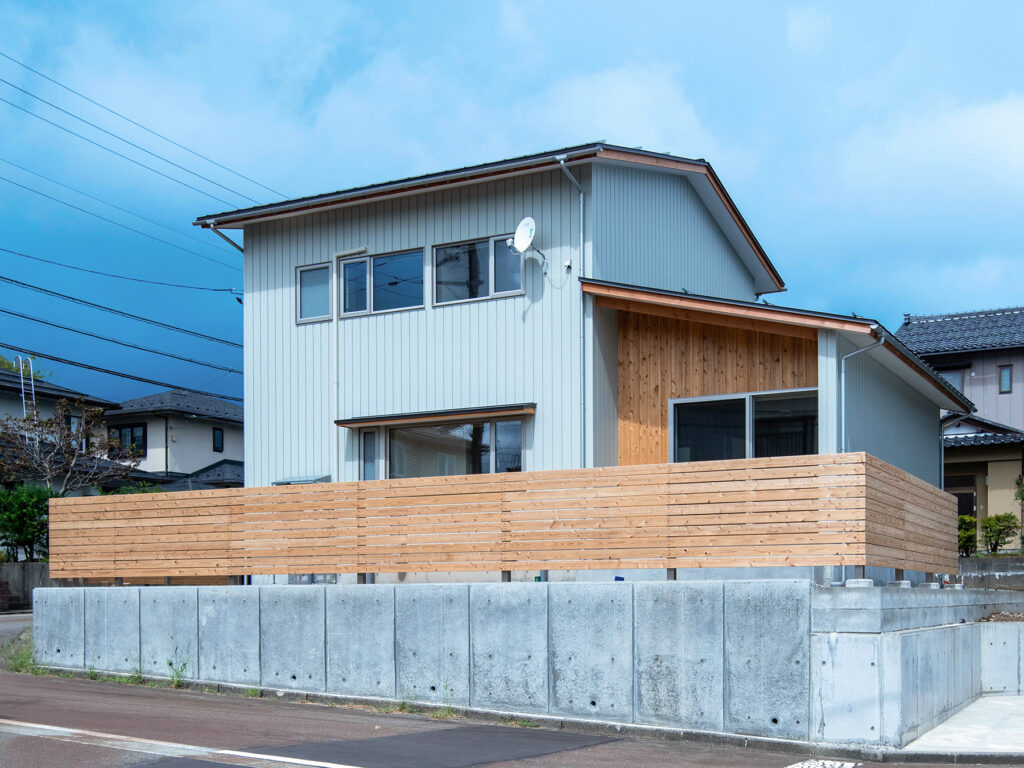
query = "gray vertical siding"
{"x": 604, "y": 393}
{"x": 482, "y": 353}
{"x": 651, "y": 229}
{"x": 888, "y": 418}
{"x": 982, "y": 388}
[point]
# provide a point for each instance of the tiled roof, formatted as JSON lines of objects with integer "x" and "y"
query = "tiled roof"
{"x": 10, "y": 381}
{"x": 963, "y": 332}
{"x": 187, "y": 403}
{"x": 981, "y": 438}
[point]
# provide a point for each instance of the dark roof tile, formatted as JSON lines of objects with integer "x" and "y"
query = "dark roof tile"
{"x": 963, "y": 332}
{"x": 177, "y": 401}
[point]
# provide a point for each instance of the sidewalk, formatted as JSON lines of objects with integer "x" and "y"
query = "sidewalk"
{"x": 991, "y": 725}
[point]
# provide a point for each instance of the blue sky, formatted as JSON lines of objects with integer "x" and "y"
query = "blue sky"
{"x": 876, "y": 149}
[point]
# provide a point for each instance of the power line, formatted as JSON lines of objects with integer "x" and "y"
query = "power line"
{"x": 126, "y": 141}
{"x": 119, "y": 342}
{"x": 120, "y": 312}
{"x": 140, "y": 125}
{"x": 119, "y": 224}
{"x": 115, "y": 152}
{"x": 116, "y": 373}
{"x": 116, "y": 207}
{"x": 119, "y": 277}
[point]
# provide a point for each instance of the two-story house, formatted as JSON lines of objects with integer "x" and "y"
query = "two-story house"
{"x": 186, "y": 441}
{"x": 982, "y": 354}
{"x": 392, "y": 331}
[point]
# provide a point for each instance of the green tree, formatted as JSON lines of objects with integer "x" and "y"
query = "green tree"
{"x": 967, "y": 535}
{"x": 997, "y": 530}
{"x": 37, "y": 373}
{"x": 66, "y": 452}
{"x": 24, "y": 518}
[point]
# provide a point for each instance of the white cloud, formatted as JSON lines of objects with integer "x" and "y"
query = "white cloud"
{"x": 947, "y": 160}
{"x": 807, "y": 30}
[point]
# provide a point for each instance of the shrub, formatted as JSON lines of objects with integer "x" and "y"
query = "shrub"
{"x": 967, "y": 535}
{"x": 997, "y": 530}
{"x": 24, "y": 516}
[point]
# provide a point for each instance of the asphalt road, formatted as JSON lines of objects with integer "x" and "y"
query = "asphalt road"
{"x": 51, "y": 722}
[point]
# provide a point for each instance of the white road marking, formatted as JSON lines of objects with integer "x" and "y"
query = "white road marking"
{"x": 153, "y": 747}
{"x": 824, "y": 764}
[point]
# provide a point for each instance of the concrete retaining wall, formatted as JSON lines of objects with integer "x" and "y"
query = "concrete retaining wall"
{"x": 22, "y": 578}
{"x": 781, "y": 659}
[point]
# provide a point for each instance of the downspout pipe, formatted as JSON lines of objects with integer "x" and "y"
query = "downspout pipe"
{"x": 875, "y": 329}
{"x": 225, "y": 238}
{"x": 582, "y": 272}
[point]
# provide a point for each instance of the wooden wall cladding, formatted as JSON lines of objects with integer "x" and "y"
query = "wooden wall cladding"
{"x": 663, "y": 357}
{"x": 845, "y": 509}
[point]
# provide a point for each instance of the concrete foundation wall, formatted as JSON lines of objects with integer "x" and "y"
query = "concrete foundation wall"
{"x": 782, "y": 659}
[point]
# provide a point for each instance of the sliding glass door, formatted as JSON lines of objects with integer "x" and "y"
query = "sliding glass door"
{"x": 748, "y": 425}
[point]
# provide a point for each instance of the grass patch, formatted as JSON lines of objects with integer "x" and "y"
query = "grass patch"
{"x": 519, "y": 722}
{"x": 17, "y": 655}
{"x": 252, "y": 693}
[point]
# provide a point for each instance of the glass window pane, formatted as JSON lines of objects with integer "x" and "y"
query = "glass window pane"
{"x": 710, "y": 431}
{"x": 314, "y": 292}
{"x": 449, "y": 449}
{"x": 218, "y": 440}
{"x": 956, "y": 378}
{"x": 1005, "y": 383}
{"x": 786, "y": 425}
{"x": 508, "y": 267}
{"x": 461, "y": 271}
{"x": 398, "y": 281}
{"x": 508, "y": 448}
{"x": 354, "y": 286}
{"x": 370, "y": 454}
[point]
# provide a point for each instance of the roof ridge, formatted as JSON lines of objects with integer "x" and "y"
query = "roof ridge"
{"x": 908, "y": 318}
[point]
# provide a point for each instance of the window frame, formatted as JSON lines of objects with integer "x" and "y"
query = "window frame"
{"x": 382, "y": 461}
{"x": 492, "y": 294}
{"x": 214, "y": 440}
{"x": 145, "y": 436}
{"x": 748, "y": 414}
{"x": 1009, "y": 379}
{"x": 299, "y": 320}
{"x": 341, "y": 261}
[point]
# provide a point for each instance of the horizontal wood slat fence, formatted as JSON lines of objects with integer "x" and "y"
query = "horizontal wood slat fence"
{"x": 846, "y": 509}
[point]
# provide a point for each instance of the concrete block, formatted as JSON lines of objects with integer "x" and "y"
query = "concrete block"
{"x": 509, "y": 646}
{"x": 361, "y": 640}
{"x": 112, "y": 629}
{"x": 432, "y": 643}
{"x": 169, "y": 631}
{"x": 767, "y": 647}
{"x": 292, "y": 638}
{"x": 1000, "y": 657}
{"x": 591, "y": 650}
{"x": 845, "y": 688}
{"x": 891, "y": 689}
{"x": 58, "y": 627}
{"x": 229, "y": 635}
{"x": 678, "y": 632}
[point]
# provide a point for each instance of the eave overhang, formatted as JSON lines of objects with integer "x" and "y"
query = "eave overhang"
{"x": 703, "y": 177}
{"x": 899, "y": 359}
{"x": 440, "y": 417}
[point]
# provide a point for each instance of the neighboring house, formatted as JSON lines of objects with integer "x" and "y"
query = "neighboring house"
{"x": 390, "y": 331}
{"x": 187, "y": 441}
{"x": 982, "y": 354}
{"x": 17, "y": 393}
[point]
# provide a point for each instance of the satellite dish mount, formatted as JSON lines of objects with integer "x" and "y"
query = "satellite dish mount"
{"x": 522, "y": 241}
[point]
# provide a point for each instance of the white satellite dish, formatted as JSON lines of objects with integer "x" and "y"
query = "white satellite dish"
{"x": 523, "y": 237}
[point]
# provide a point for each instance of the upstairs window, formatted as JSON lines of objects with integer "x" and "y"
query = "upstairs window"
{"x": 1005, "y": 379}
{"x": 313, "y": 293}
{"x": 476, "y": 270}
{"x": 381, "y": 283}
{"x": 218, "y": 440}
{"x": 129, "y": 437}
{"x": 955, "y": 378}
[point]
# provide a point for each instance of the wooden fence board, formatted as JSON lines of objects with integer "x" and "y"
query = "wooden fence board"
{"x": 795, "y": 510}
